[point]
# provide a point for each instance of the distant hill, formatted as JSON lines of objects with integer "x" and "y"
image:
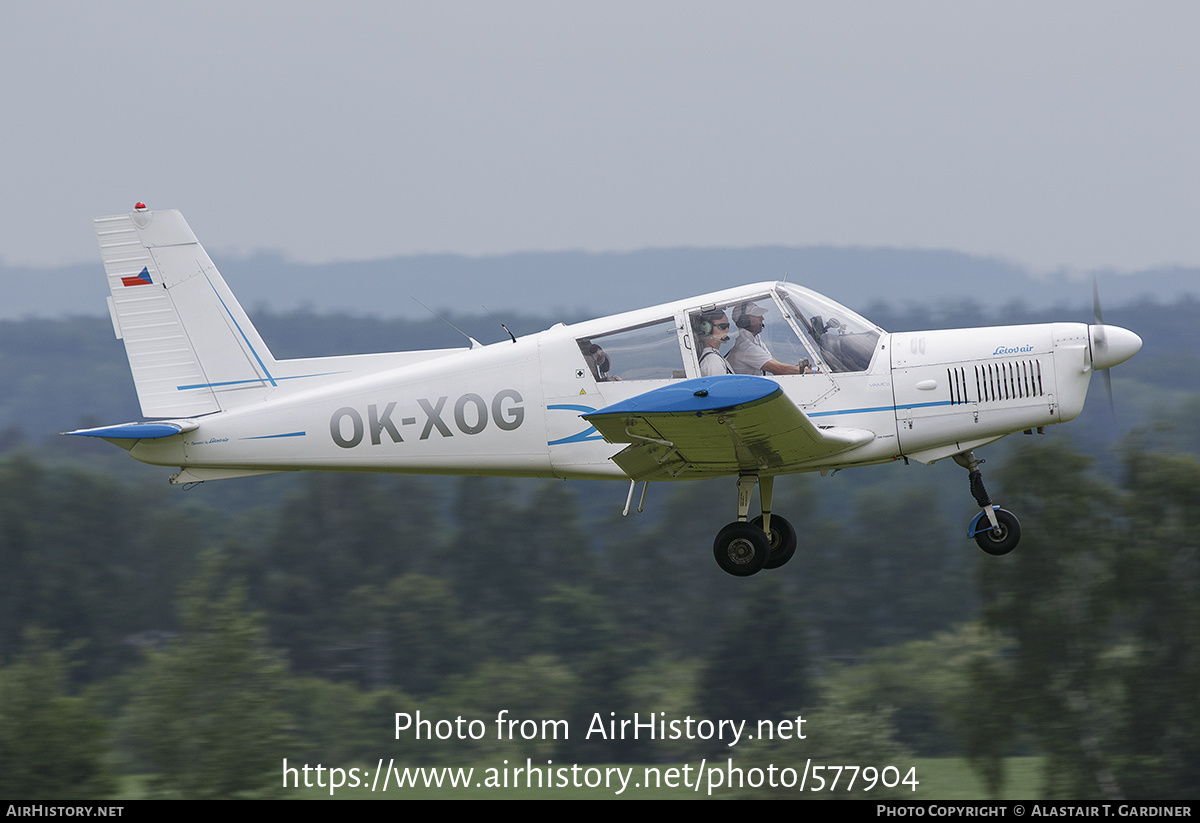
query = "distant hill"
{"x": 581, "y": 284}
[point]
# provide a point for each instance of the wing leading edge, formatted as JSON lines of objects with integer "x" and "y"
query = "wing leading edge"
{"x": 714, "y": 426}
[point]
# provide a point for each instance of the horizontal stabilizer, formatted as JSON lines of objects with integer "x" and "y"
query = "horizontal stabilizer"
{"x": 721, "y": 425}
{"x": 139, "y": 431}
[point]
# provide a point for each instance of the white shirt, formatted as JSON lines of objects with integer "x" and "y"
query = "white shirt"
{"x": 749, "y": 354}
{"x": 712, "y": 363}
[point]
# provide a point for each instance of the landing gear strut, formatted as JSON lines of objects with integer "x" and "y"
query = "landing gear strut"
{"x": 782, "y": 538}
{"x": 997, "y": 531}
{"x": 744, "y": 548}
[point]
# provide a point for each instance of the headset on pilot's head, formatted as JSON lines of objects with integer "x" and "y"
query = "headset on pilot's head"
{"x": 742, "y": 313}
{"x": 704, "y": 322}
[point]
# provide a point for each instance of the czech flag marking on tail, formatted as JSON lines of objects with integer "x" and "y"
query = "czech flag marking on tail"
{"x": 142, "y": 278}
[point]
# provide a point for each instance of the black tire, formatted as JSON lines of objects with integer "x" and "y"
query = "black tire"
{"x": 782, "y": 539}
{"x": 741, "y": 549}
{"x": 1003, "y": 540}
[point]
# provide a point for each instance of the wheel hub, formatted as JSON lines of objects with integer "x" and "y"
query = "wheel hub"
{"x": 741, "y": 551}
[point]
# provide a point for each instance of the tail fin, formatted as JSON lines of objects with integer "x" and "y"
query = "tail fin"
{"x": 191, "y": 347}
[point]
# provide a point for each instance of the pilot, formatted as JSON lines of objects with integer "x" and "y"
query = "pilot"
{"x": 712, "y": 331}
{"x": 749, "y": 354}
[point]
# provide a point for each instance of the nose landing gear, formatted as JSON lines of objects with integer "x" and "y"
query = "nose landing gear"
{"x": 997, "y": 531}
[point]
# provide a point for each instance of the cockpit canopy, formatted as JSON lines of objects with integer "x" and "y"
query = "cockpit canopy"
{"x": 785, "y": 323}
{"x": 846, "y": 342}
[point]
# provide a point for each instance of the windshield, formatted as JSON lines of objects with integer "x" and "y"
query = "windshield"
{"x": 846, "y": 342}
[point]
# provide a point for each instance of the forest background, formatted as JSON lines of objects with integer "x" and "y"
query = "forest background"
{"x": 196, "y": 638}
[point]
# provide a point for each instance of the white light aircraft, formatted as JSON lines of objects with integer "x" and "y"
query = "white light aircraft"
{"x": 649, "y": 395}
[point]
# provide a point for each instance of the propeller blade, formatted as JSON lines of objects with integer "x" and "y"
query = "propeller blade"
{"x": 1111, "y": 345}
{"x": 1099, "y": 338}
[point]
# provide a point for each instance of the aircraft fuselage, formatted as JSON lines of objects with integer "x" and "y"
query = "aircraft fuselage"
{"x": 514, "y": 408}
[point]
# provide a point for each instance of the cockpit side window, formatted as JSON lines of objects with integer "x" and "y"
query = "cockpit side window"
{"x": 647, "y": 352}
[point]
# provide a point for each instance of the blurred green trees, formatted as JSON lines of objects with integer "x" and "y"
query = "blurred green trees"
{"x": 53, "y": 746}
{"x": 471, "y": 596}
{"x": 759, "y": 666}
{"x": 1098, "y": 613}
{"x": 206, "y": 719}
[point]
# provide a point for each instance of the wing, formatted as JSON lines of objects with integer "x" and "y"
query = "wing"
{"x": 714, "y": 426}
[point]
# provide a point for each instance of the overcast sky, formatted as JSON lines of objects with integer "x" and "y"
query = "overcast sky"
{"x": 1063, "y": 134}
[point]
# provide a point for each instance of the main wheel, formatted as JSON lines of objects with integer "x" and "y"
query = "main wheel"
{"x": 741, "y": 549}
{"x": 1002, "y": 540}
{"x": 782, "y": 539}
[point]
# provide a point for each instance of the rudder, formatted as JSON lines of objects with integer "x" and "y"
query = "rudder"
{"x": 191, "y": 347}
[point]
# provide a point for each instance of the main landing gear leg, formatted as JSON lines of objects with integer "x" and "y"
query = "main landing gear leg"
{"x": 780, "y": 533}
{"x": 1002, "y": 531}
{"x": 744, "y": 548}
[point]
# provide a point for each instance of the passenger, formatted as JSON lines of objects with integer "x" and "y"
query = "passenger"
{"x": 603, "y": 364}
{"x": 749, "y": 354}
{"x": 712, "y": 331}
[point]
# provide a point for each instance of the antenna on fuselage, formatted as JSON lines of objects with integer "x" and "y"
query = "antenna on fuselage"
{"x": 474, "y": 343}
{"x": 489, "y": 314}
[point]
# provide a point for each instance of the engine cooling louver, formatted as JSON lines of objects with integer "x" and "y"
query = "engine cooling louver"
{"x": 996, "y": 381}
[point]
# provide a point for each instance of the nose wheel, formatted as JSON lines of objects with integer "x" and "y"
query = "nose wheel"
{"x": 997, "y": 531}
{"x": 999, "y": 539}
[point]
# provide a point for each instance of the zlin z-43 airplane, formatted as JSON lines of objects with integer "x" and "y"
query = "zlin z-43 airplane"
{"x": 752, "y": 383}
